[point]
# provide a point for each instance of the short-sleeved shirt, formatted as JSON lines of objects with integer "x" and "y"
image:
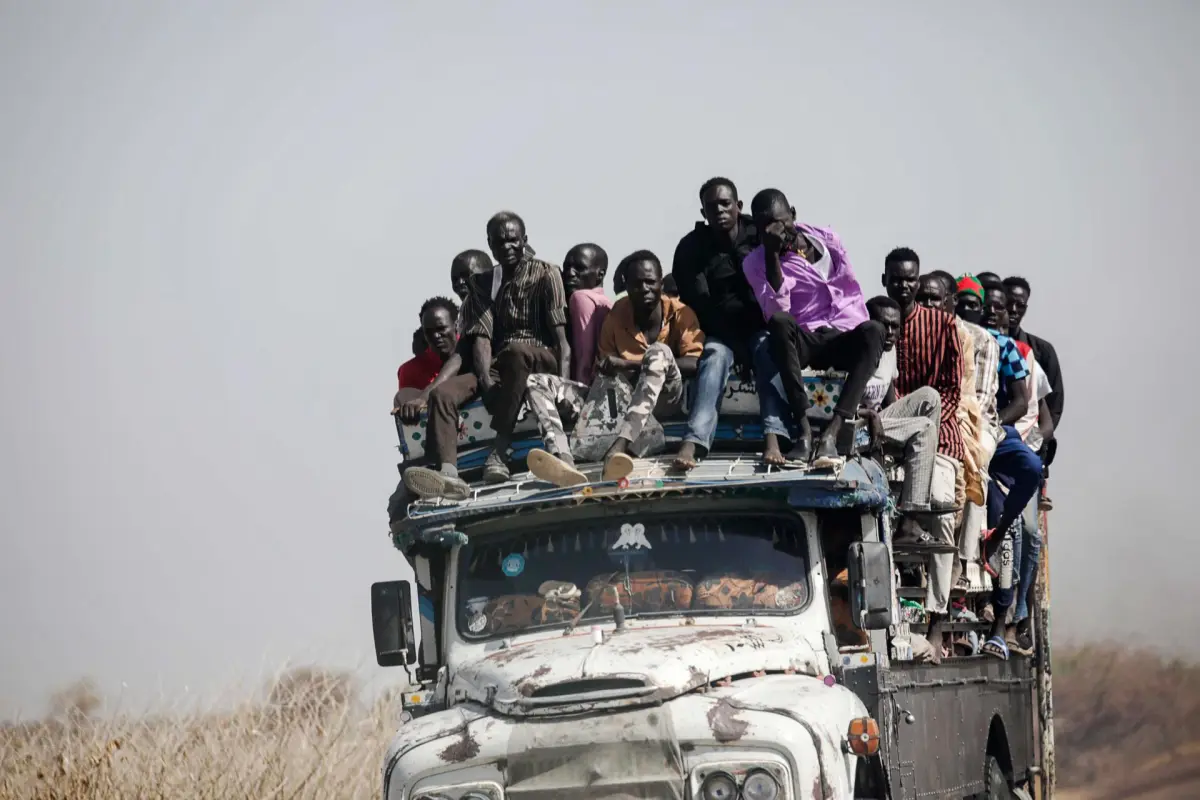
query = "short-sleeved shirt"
{"x": 621, "y": 336}
{"x": 881, "y": 381}
{"x": 587, "y": 309}
{"x": 419, "y": 372}
{"x": 526, "y": 309}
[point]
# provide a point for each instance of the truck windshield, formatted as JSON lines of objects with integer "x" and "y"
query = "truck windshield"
{"x": 651, "y": 565}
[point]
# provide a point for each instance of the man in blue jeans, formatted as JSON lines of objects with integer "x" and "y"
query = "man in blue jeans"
{"x": 1014, "y": 466}
{"x": 708, "y": 272}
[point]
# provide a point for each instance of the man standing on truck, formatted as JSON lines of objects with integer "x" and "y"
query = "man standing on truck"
{"x": 652, "y": 340}
{"x": 928, "y": 354}
{"x": 707, "y": 268}
{"x": 519, "y": 333}
{"x": 1018, "y": 292}
{"x": 816, "y": 317}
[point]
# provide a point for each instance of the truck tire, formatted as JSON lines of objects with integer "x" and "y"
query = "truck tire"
{"x": 996, "y": 782}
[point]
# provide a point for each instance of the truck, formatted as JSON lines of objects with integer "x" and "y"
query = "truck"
{"x": 736, "y": 631}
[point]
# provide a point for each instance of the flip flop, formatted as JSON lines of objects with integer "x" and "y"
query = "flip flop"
{"x": 996, "y": 648}
{"x": 618, "y": 466}
{"x": 550, "y": 468}
{"x": 828, "y": 462}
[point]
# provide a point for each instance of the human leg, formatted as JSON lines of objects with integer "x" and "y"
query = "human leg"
{"x": 790, "y": 350}
{"x": 442, "y": 442}
{"x": 772, "y": 408}
{"x": 911, "y": 424}
{"x": 659, "y": 382}
{"x": 712, "y": 373}
{"x": 1020, "y": 469}
{"x": 512, "y": 367}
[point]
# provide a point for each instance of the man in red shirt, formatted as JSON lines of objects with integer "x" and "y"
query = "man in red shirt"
{"x": 417, "y": 376}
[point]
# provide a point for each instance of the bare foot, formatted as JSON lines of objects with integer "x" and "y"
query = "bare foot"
{"x": 772, "y": 455}
{"x": 685, "y": 459}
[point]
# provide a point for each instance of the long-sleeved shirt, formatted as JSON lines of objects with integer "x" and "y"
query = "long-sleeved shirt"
{"x": 708, "y": 271}
{"x": 821, "y": 295}
{"x": 928, "y": 355}
{"x": 586, "y": 310}
{"x": 1047, "y": 359}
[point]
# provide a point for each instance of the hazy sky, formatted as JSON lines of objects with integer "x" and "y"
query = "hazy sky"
{"x": 217, "y": 221}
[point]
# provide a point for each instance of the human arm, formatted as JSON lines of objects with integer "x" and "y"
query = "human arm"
{"x": 410, "y": 406}
{"x": 1048, "y": 358}
{"x": 689, "y": 278}
{"x": 687, "y": 340}
{"x": 1045, "y": 420}
{"x": 609, "y": 360}
{"x": 562, "y": 349}
{"x": 770, "y": 299}
{"x": 1018, "y": 401}
{"x": 481, "y": 362}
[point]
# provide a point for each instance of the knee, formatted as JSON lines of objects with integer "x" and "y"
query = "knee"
{"x": 657, "y": 352}
{"x": 1031, "y": 465}
{"x": 928, "y": 396}
{"x": 872, "y": 334}
{"x": 780, "y": 323}
{"x": 716, "y": 355}
{"x": 439, "y": 398}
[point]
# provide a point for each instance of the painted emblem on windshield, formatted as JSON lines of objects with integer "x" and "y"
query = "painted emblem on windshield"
{"x": 633, "y": 537}
{"x": 513, "y": 565}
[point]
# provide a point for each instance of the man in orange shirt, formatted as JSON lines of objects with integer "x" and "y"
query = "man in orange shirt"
{"x": 652, "y": 340}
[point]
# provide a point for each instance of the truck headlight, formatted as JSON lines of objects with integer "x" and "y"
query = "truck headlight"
{"x": 719, "y": 786}
{"x": 759, "y": 785}
{"x": 466, "y": 791}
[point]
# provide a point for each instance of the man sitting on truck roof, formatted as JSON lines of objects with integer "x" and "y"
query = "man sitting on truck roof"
{"x": 519, "y": 333}
{"x": 471, "y": 270}
{"x": 587, "y": 305}
{"x": 816, "y": 317}
{"x": 708, "y": 270}
{"x": 654, "y": 341}
{"x": 906, "y": 426}
{"x": 417, "y": 376}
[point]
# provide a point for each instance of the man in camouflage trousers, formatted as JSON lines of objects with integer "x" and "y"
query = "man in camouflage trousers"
{"x": 648, "y": 345}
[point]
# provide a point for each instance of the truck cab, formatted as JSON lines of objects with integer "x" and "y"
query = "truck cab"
{"x": 734, "y": 632}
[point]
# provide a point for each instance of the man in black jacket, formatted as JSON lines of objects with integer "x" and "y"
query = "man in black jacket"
{"x": 708, "y": 271}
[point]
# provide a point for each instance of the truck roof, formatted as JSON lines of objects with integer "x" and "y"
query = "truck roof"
{"x": 857, "y": 483}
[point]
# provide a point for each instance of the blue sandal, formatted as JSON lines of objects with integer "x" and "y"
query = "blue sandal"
{"x": 996, "y": 647}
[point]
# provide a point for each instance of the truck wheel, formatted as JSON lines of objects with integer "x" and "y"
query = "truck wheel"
{"x": 997, "y": 784}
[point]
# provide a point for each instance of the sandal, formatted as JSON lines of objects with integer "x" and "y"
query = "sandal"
{"x": 618, "y": 466}
{"x": 996, "y": 648}
{"x": 550, "y": 468}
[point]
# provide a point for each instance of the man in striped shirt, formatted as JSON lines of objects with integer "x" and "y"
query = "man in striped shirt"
{"x": 928, "y": 354}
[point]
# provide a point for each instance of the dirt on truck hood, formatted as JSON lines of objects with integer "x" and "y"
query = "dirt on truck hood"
{"x": 637, "y": 666}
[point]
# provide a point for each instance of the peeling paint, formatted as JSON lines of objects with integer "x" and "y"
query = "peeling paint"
{"x": 462, "y": 750}
{"x": 725, "y": 723}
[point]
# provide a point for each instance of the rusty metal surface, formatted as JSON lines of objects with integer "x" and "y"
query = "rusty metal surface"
{"x": 655, "y": 663}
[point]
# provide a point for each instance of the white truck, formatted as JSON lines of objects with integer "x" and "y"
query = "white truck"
{"x": 735, "y": 632}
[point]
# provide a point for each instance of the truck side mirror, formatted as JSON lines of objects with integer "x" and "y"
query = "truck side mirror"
{"x": 870, "y": 575}
{"x": 392, "y": 620}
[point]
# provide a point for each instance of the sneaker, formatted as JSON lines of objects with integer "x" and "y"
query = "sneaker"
{"x": 495, "y": 470}
{"x": 553, "y": 469}
{"x": 427, "y": 483}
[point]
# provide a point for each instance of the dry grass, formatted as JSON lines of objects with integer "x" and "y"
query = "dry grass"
{"x": 309, "y": 739}
{"x": 308, "y": 736}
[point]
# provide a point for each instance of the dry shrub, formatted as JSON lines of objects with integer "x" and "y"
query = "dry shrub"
{"x": 309, "y": 741}
{"x": 1118, "y": 707}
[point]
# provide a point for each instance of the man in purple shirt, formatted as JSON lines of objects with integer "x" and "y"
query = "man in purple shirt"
{"x": 816, "y": 317}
